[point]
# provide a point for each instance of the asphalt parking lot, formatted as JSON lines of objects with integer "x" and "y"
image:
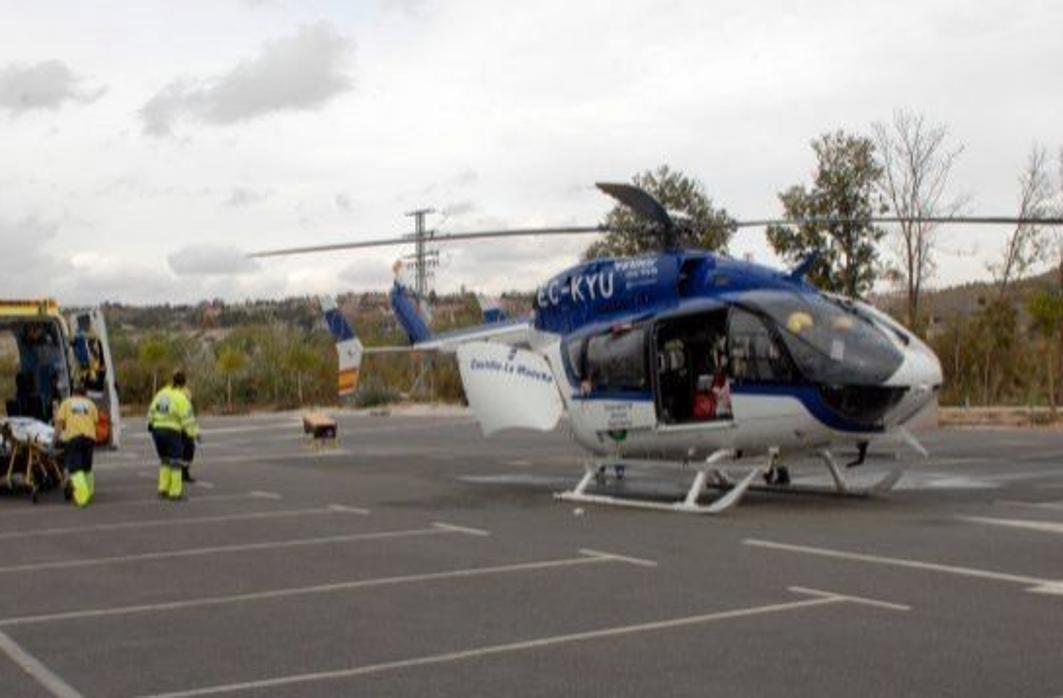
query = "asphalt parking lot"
{"x": 416, "y": 558}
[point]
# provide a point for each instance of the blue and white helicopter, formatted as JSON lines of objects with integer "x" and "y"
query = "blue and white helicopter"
{"x": 690, "y": 359}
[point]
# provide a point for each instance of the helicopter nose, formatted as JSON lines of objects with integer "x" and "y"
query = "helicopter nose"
{"x": 921, "y": 374}
{"x": 920, "y": 368}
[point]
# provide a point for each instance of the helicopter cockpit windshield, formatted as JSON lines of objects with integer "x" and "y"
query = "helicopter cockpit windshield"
{"x": 830, "y": 341}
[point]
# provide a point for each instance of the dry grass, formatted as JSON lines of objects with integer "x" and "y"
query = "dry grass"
{"x": 1019, "y": 417}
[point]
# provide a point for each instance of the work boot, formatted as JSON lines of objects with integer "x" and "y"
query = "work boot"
{"x": 91, "y": 478}
{"x": 81, "y": 488}
{"x": 164, "y": 480}
{"x": 176, "y": 481}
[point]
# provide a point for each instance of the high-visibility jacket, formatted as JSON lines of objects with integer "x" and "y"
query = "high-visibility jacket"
{"x": 171, "y": 409}
{"x": 77, "y": 416}
{"x": 191, "y": 426}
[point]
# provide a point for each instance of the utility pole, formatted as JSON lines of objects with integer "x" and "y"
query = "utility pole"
{"x": 423, "y": 258}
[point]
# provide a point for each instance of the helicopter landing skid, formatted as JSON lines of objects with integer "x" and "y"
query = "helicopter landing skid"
{"x": 689, "y": 504}
{"x": 841, "y": 486}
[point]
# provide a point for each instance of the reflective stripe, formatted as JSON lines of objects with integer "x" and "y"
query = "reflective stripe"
{"x": 170, "y": 409}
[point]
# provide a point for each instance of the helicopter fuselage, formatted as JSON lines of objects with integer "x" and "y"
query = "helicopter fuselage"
{"x": 677, "y": 355}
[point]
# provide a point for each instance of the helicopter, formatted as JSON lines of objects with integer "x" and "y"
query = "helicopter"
{"x": 689, "y": 359}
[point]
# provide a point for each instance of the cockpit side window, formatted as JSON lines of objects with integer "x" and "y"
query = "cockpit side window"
{"x": 830, "y": 342}
{"x": 755, "y": 356}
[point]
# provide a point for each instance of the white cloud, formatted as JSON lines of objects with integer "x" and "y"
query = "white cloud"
{"x": 297, "y": 73}
{"x": 457, "y": 209}
{"x": 344, "y": 202}
{"x": 364, "y": 274}
{"x": 466, "y": 177}
{"x": 44, "y": 85}
{"x": 499, "y": 119}
{"x": 242, "y": 197}
{"x": 210, "y": 259}
{"x": 27, "y": 266}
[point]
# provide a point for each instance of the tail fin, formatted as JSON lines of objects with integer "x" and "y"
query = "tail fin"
{"x": 410, "y": 313}
{"x": 348, "y": 347}
{"x": 491, "y": 308}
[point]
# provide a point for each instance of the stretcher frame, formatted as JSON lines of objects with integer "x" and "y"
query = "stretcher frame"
{"x": 40, "y": 466}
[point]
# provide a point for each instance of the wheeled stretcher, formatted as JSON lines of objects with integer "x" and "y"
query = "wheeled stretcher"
{"x": 31, "y": 461}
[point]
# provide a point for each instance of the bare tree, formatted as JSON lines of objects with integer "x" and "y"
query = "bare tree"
{"x": 1059, "y": 212}
{"x": 916, "y": 161}
{"x": 1028, "y": 242}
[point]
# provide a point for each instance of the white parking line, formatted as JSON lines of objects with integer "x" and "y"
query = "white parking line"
{"x": 35, "y": 668}
{"x": 463, "y": 529}
{"x": 190, "y": 499}
{"x": 888, "y": 605}
{"x": 167, "y": 523}
{"x": 584, "y": 559}
{"x": 613, "y": 556}
{"x": 1032, "y": 505}
{"x": 1043, "y": 526}
{"x": 143, "y": 436}
{"x": 1032, "y": 583}
{"x": 821, "y": 599}
{"x": 304, "y": 455}
{"x": 344, "y": 507}
{"x": 154, "y": 501}
{"x": 214, "y": 550}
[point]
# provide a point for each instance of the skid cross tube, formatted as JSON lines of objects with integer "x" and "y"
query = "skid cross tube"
{"x": 688, "y": 505}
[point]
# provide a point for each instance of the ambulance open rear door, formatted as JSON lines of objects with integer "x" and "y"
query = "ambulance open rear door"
{"x": 92, "y": 352}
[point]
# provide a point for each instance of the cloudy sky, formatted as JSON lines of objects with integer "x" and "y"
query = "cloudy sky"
{"x": 145, "y": 146}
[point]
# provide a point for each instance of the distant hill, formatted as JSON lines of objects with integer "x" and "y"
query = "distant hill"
{"x": 965, "y": 299}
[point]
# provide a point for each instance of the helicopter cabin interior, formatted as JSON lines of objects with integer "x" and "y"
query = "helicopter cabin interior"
{"x": 691, "y": 363}
{"x": 696, "y": 358}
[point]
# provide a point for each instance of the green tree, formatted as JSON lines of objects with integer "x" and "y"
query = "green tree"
{"x": 844, "y": 191}
{"x": 154, "y": 355}
{"x": 707, "y": 227}
{"x": 301, "y": 361}
{"x": 231, "y": 360}
{"x": 996, "y": 337}
{"x": 1046, "y": 315}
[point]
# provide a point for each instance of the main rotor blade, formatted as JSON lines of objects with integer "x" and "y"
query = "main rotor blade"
{"x": 638, "y": 201}
{"x": 935, "y": 220}
{"x": 650, "y": 202}
{"x": 434, "y": 238}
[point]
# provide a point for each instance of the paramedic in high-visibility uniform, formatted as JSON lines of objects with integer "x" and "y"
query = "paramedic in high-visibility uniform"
{"x": 75, "y": 426}
{"x": 188, "y": 444}
{"x": 170, "y": 417}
